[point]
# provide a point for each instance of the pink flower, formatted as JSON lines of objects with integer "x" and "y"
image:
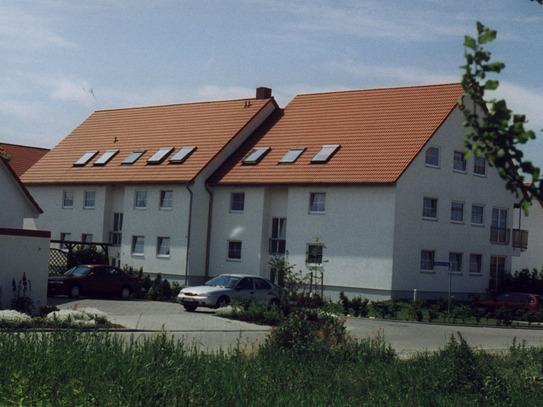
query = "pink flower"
{"x": 319, "y": 333}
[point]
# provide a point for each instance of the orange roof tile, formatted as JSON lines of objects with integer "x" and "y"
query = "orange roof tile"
{"x": 207, "y": 125}
{"x": 22, "y": 157}
{"x": 379, "y": 131}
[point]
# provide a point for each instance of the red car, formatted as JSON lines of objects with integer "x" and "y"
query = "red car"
{"x": 516, "y": 301}
{"x": 94, "y": 279}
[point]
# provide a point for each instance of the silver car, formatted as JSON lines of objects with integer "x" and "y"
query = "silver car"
{"x": 219, "y": 291}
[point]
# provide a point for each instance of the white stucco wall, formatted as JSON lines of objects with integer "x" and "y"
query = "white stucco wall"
{"x": 413, "y": 233}
{"x": 14, "y": 203}
{"x": 357, "y": 229}
{"x": 24, "y": 252}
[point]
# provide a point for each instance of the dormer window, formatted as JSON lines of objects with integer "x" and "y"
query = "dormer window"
{"x": 291, "y": 156}
{"x": 182, "y": 154}
{"x": 104, "y": 158}
{"x": 325, "y": 153}
{"x": 256, "y": 155}
{"x": 160, "y": 155}
{"x": 85, "y": 158}
{"x": 133, "y": 157}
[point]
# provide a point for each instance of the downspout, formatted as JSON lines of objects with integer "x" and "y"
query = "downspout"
{"x": 188, "y": 235}
{"x": 208, "y": 237}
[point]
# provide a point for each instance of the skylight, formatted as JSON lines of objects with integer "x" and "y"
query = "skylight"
{"x": 104, "y": 158}
{"x": 133, "y": 157}
{"x": 256, "y": 155}
{"x": 182, "y": 154}
{"x": 325, "y": 153}
{"x": 160, "y": 155}
{"x": 85, "y": 158}
{"x": 292, "y": 155}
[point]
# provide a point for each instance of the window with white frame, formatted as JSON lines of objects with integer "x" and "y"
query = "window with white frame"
{"x": 479, "y": 166}
{"x": 432, "y": 157}
{"x": 138, "y": 244}
{"x": 117, "y": 233}
{"x": 317, "y": 202}
{"x": 427, "y": 260}
{"x": 314, "y": 253}
{"x": 457, "y": 212}
{"x": 429, "y": 208}
{"x": 455, "y": 262}
{"x": 278, "y": 241}
{"x": 498, "y": 231}
{"x": 166, "y": 200}
{"x": 68, "y": 199}
{"x": 90, "y": 200}
{"x": 163, "y": 247}
{"x": 234, "y": 250}
{"x": 459, "y": 161}
{"x": 497, "y": 271}
{"x": 140, "y": 200}
{"x": 237, "y": 201}
{"x": 477, "y": 215}
{"x": 475, "y": 263}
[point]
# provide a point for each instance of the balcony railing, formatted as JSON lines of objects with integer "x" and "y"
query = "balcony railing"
{"x": 520, "y": 239}
{"x": 500, "y": 235}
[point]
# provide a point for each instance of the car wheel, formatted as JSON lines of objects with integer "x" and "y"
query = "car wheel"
{"x": 75, "y": 291}
{"x": 125, "y": 293}
{"x": 189, "y": 307}
{"x": 223, "y": 302}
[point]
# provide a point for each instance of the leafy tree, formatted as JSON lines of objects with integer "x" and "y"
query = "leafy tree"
{"x": 495, "y": 131}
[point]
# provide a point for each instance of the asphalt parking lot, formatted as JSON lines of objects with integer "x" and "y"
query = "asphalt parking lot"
{"x": 207, "y": 332}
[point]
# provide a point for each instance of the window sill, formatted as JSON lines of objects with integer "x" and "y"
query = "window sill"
{"x": 472, "y": 274}
{"x": 164, "y": 209}
{"x": 457, "y": 222}
{"x": 478, "y": 225}
{"x": 233, "y": 211}
{"x": 437, "y": 167}
{"x": 163, "y": 256}
{"x": 428, "y": 271}
{"x": 430, "y": 219}
{"x": 140, "y": 209}
{"x": 317, "y": 212}
{"x": 460, "y": 171}
{"x": 234, "y": 260}
{"x": 137, "y": 254}
{"x": 479, "y": 175}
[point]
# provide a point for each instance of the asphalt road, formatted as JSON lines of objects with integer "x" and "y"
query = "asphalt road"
{"x": 207, "y": 332}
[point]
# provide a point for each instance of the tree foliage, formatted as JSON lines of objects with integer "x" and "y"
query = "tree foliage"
{"x": 495, "y": 132}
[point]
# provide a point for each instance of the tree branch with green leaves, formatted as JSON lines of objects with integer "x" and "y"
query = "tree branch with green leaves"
{"x": 495, "y": 132}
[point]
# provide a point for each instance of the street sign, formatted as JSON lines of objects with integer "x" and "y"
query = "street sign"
{"x": 442, "y": 263}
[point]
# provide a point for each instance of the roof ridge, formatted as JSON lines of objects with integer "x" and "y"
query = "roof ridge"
{"x": 181, "y": 104}
{"x": 23, "y": 146}
{"x": 380, "y": 89}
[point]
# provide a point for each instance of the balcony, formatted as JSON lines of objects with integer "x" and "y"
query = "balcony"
{"x": 500, "y": 235}
{"x": 520, "y": 239}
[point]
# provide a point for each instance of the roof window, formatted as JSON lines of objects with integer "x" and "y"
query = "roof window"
{"x": 256, "y": 155}
{"x": 85, "y": 158}
{"x": 292, "y": 155}
{"x": 104, "y": 158}
{"x": 182, "y": 154}
{"x": 160, "y": 155}
{"x": 325, "y": 153}
{"x": 133, "y": 157}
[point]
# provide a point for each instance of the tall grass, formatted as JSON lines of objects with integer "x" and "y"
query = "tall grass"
{"x": 66, "y": 368}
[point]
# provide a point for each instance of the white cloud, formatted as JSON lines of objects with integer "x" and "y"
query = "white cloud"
{"x": 523, "y": 101}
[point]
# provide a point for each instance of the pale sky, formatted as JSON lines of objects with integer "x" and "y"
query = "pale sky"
{"x": 63, "y": 59}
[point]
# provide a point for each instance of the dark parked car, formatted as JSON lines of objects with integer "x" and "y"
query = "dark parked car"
{"x": 218, "y": 292}
{"x": 94, "y": 279}
{"x": 514, "y": 301}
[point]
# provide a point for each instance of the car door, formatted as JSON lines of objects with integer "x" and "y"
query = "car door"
{"x": 244, "y": 289}
{"x": 263, "y": 291}
{"x": 95, "y": 280}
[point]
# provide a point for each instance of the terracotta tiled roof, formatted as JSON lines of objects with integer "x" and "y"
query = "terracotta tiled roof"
{"x": 22, "y": 157}
{"x": 379, "y": 132}
{"x": 207, "y": 125}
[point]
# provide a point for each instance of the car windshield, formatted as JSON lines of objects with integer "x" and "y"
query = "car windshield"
{"x": 223, "y": 281}
{"x": 78, "y": 271}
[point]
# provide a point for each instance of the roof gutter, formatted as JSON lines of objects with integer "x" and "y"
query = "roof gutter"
{"x": 188, "y": 234}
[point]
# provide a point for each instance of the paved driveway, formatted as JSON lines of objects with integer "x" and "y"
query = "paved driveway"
{"x": 208, "y": 332}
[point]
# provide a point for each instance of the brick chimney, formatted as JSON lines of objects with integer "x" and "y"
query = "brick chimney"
{"x": 263, "y": 93}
